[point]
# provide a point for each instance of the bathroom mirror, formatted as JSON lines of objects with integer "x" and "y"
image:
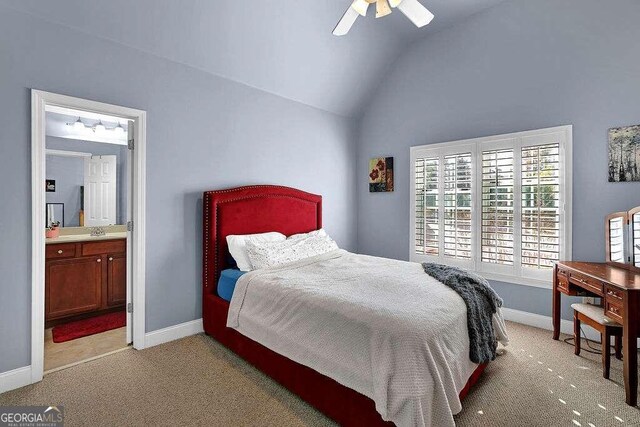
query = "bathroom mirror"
{"x": 616, "y": 238}
{"x": 88, "y": 189}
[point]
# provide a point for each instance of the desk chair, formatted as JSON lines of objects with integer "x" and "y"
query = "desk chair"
{"x": 593, "y": 316}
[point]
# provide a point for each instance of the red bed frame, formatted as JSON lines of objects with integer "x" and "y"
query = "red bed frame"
{"x": 259, "y": 209}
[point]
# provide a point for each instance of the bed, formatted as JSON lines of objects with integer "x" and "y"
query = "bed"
{"x": 259, "y": 209}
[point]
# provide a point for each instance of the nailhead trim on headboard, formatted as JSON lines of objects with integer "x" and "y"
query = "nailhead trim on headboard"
{"x": 207, "y": 219}
{"x": 207, "y": 196}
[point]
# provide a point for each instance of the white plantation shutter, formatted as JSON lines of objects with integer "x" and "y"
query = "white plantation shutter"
{"x": 426, "y": 210}
{"x": 520, "y": 186}
{"x": 540, "y": 205}
{"x": 457, "y": 206}
{"x": 497, "y": 206}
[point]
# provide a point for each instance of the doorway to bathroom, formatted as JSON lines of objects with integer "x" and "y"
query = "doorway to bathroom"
{"x": 88, "y": 230}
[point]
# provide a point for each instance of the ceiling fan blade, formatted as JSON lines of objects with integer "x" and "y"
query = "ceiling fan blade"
{"x": 382, "y": 8}
{"x": 416, "y": 12}
{"x": 346, "y": 22}
{"x": 361, "y": 6}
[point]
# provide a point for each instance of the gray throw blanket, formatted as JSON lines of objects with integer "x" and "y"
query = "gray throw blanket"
{"x": 482, "y": 302}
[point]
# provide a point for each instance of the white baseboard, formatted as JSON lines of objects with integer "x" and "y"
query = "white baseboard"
{"x": 171, "y": 333}
{"x": 15, "y": 378}
{"x": 545, "y": 322}
{"x": 21, "y": 377}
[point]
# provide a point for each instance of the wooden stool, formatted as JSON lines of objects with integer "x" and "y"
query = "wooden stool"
{"x": 593, "y": 316}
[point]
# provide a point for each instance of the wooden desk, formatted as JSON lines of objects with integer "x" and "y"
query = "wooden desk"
{"x": 620, "y": 290}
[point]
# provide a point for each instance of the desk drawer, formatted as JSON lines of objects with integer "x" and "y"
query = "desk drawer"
{"x": 60, "y": 250}
{"x": 104, "y": 247}
{"x": 563, "y": 272}
{"x": 614, "y": 309}
{"x": 562, "y": 283}
{"x": 613, "y": 294}
{"x": 586, "y": 283}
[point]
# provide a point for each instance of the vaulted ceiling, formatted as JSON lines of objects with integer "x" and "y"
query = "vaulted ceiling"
{"x": 284, "y": 47}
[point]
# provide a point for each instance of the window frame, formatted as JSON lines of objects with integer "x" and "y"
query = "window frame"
{"x": 516, "y": 273}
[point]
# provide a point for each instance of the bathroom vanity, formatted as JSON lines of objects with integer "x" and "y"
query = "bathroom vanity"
{"x": 84, "y": 276}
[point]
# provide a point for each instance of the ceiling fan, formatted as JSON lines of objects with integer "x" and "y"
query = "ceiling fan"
{"x": 412, "y": 9}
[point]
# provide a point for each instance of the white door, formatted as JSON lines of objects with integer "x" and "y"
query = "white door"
{"x": 99, "y": 190}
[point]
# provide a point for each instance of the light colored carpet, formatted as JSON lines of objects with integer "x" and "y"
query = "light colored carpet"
{"x": 195, "y": 381}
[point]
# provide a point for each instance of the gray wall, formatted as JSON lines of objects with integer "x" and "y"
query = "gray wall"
{"x": 69, "y": 175}
{"x": 204, "y": 132}
{"x": 521, "y": 65}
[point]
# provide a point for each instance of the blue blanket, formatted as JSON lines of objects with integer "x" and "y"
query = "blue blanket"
{"x": 482, "y": 303}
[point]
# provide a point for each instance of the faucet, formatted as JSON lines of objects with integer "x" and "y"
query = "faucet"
{"x": 97, "y": 231}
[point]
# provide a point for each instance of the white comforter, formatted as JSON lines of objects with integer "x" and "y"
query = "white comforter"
{"x": 381, "y": 327}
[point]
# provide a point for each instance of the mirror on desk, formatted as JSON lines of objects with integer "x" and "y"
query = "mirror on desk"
{"x": 616, "y": 225}
{"x": 634, "y": 229}
{"x": 622, "y": 230}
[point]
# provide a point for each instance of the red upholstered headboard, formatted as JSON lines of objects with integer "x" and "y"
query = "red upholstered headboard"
{"x": 249, "y": 210}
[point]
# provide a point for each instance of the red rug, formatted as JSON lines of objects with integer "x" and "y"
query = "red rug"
{"x": 94, "y": 325}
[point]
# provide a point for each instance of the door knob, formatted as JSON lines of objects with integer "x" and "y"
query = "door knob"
{"x": 98, "y": 260}
{"x": 110, "y": 258}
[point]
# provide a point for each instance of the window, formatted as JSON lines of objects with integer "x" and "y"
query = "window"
{"x": 500, "y": 205}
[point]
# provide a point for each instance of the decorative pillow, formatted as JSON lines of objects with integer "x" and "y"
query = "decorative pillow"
{"x": 320, "y": 232}
{"x": 238, "y": 246}
{"x": 272, "y": 254}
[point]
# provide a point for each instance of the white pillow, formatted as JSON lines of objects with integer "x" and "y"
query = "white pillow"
{"x": 238, "y": 246}
{"x": 272, "y": 254}
{"x": 320, "y": 232}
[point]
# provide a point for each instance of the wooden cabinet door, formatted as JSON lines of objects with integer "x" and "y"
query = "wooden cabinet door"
{"x": 73, "y": 286}
{"x": 116, "y": 280}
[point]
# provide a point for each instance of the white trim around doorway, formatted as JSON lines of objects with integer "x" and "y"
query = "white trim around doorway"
{"x": 40, "y": 100}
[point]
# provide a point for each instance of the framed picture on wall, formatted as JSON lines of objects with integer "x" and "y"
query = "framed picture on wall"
{"x": 381, "y": 174}
{"x": 624, "y": 154}
{"x": 50, "y": 186}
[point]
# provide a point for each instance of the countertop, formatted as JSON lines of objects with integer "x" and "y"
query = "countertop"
{"x": 74, "y": 238}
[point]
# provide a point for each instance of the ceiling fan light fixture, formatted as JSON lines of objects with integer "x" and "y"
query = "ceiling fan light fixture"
{"x": 412, "y": 9}
{"x": 360, "y": 6}
{"x": 382, "y": 8}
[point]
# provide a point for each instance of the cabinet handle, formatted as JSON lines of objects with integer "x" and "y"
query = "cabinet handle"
{"x": 59, "y": 251}
{"x": 98, "y": 260}
{"x": 110, "y": 258}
